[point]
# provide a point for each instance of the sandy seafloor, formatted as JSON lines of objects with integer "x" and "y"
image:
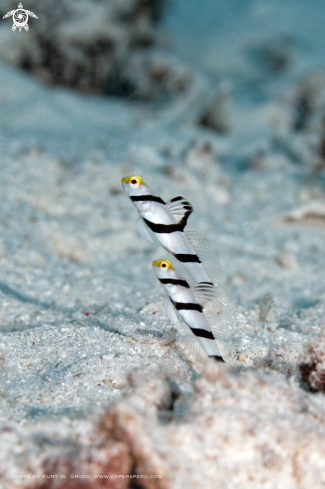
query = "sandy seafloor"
{"x": 80, "y": 308}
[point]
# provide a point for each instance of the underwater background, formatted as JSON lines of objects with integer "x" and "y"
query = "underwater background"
{"x": 223, "y": 103}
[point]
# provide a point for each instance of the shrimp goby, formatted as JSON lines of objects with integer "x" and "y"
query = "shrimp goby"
{"x": 164, "y": 222}
{"x": 193, "y": 306}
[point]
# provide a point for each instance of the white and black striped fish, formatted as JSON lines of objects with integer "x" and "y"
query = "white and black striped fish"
{"x": 164, "y": 223}
{"x": 206, "y": 321}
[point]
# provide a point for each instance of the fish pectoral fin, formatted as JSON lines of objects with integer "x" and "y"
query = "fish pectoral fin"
{"x": 180, "y": 208}
{"x": 222, "y": 328}
{"x": 170, "y": 311}
{"x": 207, "y": 294}
{"x": 218, "y": 312}
{"x": 194, "y": 348}
{"x": 209, "y": 260}
{"x": 145, "y": 231}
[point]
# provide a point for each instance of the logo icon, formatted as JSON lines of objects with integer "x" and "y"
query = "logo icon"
{"x": 20, "y": 18}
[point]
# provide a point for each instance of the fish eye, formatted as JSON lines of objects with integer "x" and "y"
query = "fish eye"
{"x": 134, "y": 181}
{"x": 164, "y": 265}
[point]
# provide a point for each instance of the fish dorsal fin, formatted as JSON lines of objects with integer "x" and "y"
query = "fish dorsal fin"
{"x": 180, "y": 208}
{"x": 170, "y": 311}
{"x": 218, "y": 312}
{"x": 209, "y": 260}
{"x": 145, "y": 231}
{"x": 211, "y": 297}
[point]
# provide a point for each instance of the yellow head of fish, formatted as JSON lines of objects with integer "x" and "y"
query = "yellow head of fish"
{"x": 132, "y": 185}
{"x": 164, "y": 264}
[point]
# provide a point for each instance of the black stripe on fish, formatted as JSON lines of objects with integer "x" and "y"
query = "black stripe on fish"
{"x": 188, "y": 212}
{"x": 207, "y": 283}
{"x": 187, "y": 306}
{"x": 202, "y": 333}
{"x": 187, "y": 258}
{"x": 217, "y": 358}
{"x": 163, "y": 228}
{"x": 174, "y": 281}
{"x": 146, "y": 198}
